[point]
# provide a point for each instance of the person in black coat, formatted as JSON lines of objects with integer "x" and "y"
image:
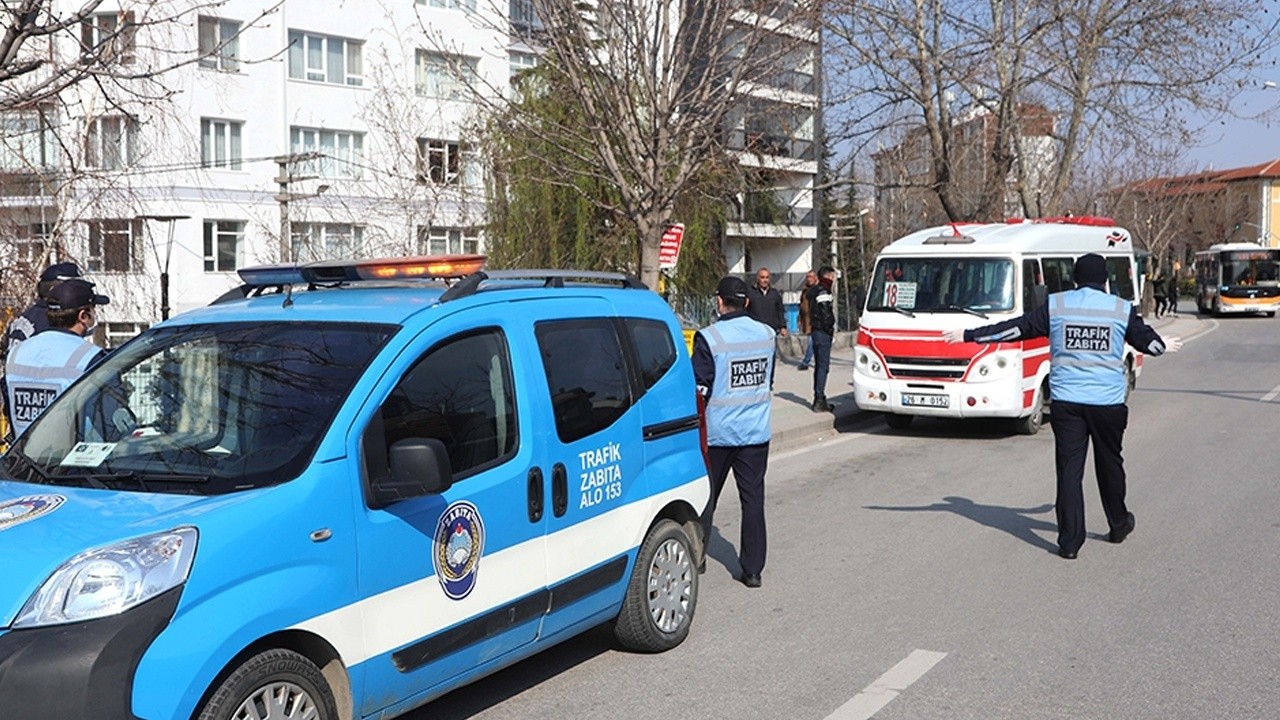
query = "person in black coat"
{"x": 766, "y": 303}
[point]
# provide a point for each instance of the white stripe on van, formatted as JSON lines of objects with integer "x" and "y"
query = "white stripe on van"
{"x": 394, "y": 618}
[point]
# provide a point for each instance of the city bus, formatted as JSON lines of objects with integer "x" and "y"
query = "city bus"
{"x": 1238, "y": 278}
{"x": 966, "y": 276}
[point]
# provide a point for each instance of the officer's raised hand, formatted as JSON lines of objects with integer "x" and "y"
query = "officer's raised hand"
{"x": 953, "y": 336}
{"x": 1172, "y": 344}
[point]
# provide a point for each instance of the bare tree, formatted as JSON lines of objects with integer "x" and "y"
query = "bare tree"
{"x": 1102, "y": 70}
{"x": 652, "y": 83}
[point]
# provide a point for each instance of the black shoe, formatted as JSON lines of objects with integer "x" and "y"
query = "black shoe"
{"x": 751, "y": 581}
{"x": 1066, "y": 554}
{"x": 820, "y": 404}
{"x": 802, "y": 366}
{"x": 702, "y": 567}
{"x": 1118, "y": 536}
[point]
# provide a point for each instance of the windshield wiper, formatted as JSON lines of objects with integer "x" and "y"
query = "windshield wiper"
{"x": 897, "y": 309}
{"x": 971, "y": 311}
{"x": 33, "y": 469}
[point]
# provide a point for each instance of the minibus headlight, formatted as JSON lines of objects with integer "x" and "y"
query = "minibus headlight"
{"x": 112, "y": 579}
{"x": 996, "y": 366}
{"x": 868, "y": 364}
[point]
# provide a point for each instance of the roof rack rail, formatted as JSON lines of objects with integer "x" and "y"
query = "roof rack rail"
{"x": 549, "y": 278}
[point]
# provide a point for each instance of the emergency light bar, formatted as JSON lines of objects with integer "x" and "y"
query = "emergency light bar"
{"x": 432, "y": 267}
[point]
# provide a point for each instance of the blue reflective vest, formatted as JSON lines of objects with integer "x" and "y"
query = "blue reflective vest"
{"x": 1086, "y": 343}
{"x": 738, "y": 409}
{"x": 40, "y": 370}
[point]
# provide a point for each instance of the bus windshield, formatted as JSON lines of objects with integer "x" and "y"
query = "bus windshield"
{"x": 1251, "y": 267}
{"x": 942, "y": 284}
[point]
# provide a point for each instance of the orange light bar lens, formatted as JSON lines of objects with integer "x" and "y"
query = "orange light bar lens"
{"x": 443, "y": 266}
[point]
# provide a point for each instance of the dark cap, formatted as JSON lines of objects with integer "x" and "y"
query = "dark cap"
{"x": 60, "y": 271}
{"x": 1091, "y": 269}
{"x": 72, "y": 294}
{"x": 732, "y": 288}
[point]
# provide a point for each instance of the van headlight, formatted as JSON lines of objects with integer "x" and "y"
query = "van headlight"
{"x": 996, "y": 366}
{"x": 111, "y": 579}
{"x": 868, "y": 363}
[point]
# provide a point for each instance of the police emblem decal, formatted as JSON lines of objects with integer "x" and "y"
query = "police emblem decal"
{"x": 20, "y": 510}
{"x": 459, "y": 543}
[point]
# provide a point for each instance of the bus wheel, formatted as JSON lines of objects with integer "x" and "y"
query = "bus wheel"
{"x": 1271, "y": 313}
{"x": 899, "y": 422}
{"x": 1031, "y": 424}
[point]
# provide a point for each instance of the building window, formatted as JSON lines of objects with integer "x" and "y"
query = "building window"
{"x": 313, "y": 242}
{"x": 27, "y": 141}
{"x": 111, "y": 142}
{"x": 467, "y": 6}
{"x": 222, "y": 241}
{"x": 519, "y": 62}
{"x": 325, "y": 58}
{"x": 119, "y": 333}
{"x": 220, "y": 143}
{"x": 447, "y": 162}
{"x": 340, "y": 151}
{"x": 445, "y": 76}
{"x": 219, "y": 43}
{"x": 448, "y": 241}
{"x": 110, "y": 35}
{"x": 114, "y": 246}
{"x": 36, "y": 247}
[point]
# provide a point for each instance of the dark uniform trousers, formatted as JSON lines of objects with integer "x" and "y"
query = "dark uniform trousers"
{"x": 1074, "y": 426}
{"x": 748, "y": 463}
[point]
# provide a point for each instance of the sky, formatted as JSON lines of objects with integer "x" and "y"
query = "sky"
{"x": 1244, "y": 142}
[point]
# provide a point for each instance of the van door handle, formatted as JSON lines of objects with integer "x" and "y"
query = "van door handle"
{"x": 559, "y": 489}
{"x": 535, "y": 494}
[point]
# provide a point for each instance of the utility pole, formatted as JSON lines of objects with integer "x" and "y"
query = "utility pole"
{"x": 169, "y": 220}
{"x": 284, "y": 177}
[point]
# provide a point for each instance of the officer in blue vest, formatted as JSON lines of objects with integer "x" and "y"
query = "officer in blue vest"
{"x": 1087, "y": 330}
{"x": 733, "y": 367}
{"x": 45, "y": 365}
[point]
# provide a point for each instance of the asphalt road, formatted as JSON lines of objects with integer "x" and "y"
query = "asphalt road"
{"x": 942, "y": 540}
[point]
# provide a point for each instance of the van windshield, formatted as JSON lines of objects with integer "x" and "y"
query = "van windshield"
{"x": 942, "y": 284}
{"x": 205, "y": 409}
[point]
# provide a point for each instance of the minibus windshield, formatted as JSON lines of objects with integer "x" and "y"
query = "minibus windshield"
{"x": 942, "y": 284}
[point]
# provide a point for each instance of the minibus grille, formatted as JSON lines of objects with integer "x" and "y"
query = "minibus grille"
{"x": 918, "y": 367}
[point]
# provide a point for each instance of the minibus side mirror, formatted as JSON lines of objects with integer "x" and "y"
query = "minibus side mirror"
{"x": 419, "y": 466}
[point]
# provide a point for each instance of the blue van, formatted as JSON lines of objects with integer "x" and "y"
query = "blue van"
{"x": 345, "y": 489}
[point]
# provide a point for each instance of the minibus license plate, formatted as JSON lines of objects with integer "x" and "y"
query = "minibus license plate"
{"x": 921, "y": 400}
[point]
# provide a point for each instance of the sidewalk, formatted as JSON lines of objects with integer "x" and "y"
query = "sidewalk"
{"x": 795, "y": 425}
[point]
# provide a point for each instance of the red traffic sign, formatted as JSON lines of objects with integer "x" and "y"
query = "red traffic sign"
{"x": 669, "y": 249}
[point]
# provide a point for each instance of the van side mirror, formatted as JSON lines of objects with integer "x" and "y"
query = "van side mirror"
{"x": 419, "y": 466}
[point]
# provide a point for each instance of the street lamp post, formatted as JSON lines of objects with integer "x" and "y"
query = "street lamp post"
{"x": 170, "y": 220}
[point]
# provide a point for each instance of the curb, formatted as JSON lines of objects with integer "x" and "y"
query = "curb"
{"x": 848, "y": 416}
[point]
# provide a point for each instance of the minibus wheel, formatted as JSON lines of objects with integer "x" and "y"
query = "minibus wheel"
{"x": 1031, "y": 424}
{"x": 273, "y": 685}
{"x": 662, "y": 592}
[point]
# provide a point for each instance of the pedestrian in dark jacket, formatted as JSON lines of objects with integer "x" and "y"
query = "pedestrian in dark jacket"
{"x": 766, "y": 303}
{"x": 822, "y": 319}
{"x": 1159, "y": 285}
{"x": 1171, "y": 295}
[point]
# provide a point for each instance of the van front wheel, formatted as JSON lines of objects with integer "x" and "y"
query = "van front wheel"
{"x": 273, "y": 685}
{"x": 899, "y": 422}
{"x": 1031, "y": 424}
{"x": 662, "y": 594}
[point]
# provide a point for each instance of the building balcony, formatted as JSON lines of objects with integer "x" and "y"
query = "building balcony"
{"x": 776, "y": 145}
{"x": 765, "y": 208}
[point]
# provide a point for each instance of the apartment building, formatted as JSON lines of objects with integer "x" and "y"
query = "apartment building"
{"x": 775, "y": 134}
{"x": 367, "y": 97}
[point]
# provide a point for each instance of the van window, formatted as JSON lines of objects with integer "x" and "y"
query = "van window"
{"x": 1119, "y": 277}
{"x": 1030, "y": 278}
{"x": 654, "y": 348}
{"x": 586, "y": 374}
{"x": 1058, "y": 273}
{"x": 461, "y": 394}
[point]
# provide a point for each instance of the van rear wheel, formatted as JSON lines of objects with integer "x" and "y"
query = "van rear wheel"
{"x": 273, "y": 685}
{"x": 662, "y": 594}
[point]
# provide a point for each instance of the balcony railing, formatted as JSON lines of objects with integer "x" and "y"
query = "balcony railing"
{"x": 766, "y": 208}
{"x": 777, "y": 145}
{"x": 793, "y": 80}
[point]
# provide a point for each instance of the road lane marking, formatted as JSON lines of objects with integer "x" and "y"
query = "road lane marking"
{"x": 1271, "y": 395}
{"x": 887, "y": 687}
